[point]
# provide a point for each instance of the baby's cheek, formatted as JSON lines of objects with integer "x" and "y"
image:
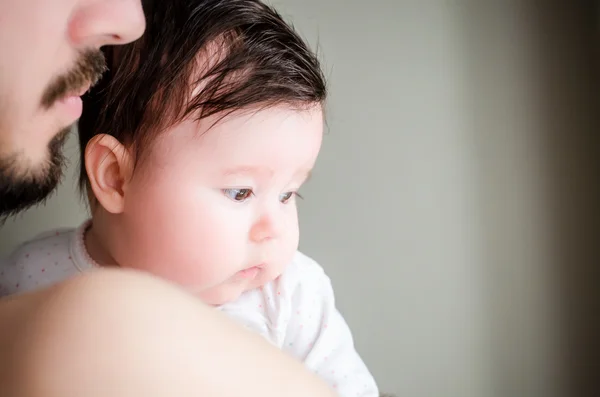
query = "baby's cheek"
{"x": 285, "y": 253}
{"x": 290, "y": 246}
{"x": 169, "y": 257}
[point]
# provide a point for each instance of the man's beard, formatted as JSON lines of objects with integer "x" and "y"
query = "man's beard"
{"x": 21, "y": 189}
{"x": 23, "y": 185}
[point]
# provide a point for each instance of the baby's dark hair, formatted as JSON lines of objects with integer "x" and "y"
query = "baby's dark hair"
{"x": 198, "y": 58}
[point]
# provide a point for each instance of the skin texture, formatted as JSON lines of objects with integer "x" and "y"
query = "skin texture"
{"x": 110, "y": 333}
{"x": 211, "y": 207}
{"x": 159, "y": 342}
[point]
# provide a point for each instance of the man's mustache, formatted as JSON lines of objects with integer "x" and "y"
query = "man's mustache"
{"x": 87, "y": 71}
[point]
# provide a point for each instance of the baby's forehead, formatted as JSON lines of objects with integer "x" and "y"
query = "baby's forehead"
{"x": 258, "y": 125}
{"x": 257, "y": 143}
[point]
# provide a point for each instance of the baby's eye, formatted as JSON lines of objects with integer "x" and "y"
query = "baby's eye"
{"x": 286, "y": 197}
{"x": 238, "y": 195}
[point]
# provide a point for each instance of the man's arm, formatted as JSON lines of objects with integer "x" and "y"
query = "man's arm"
{"x": 116, "y": 333}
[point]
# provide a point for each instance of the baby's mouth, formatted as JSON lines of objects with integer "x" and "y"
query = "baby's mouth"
{"x": 250, "y": 272}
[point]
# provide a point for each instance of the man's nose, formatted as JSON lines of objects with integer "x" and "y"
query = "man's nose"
{"x": 103, "y": 22}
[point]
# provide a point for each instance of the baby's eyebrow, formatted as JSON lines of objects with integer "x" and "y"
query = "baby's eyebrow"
{"x": 247, "y": 170}
{"x": 304, "y": 175}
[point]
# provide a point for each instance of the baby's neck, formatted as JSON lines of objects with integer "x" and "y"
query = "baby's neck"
{"x": 95, "y": 249}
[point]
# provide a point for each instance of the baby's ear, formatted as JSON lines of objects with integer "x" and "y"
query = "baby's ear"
{"x": 109, "y": 166}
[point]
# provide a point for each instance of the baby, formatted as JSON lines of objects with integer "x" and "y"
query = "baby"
{"x": 194, "y": 147}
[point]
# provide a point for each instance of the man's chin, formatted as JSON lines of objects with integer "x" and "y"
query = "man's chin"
{"x": 22, "y": 188}
{"x": 19, "y": 195}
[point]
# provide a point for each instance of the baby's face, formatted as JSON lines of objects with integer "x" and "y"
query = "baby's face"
{"x": 214, "y": 209}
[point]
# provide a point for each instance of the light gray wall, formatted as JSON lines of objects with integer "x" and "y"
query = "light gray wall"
{"x": 432, "y": 205}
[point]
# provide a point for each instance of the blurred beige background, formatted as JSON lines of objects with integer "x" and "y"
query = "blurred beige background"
{"x": 452, "y": 203}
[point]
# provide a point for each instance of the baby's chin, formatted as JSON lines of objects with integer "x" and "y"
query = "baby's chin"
{"x": 219, "y": 297}
{"x": 233, "y": 289}
{"x": 223, "y": 294}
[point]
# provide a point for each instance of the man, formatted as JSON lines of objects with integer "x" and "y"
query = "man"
{"x": 49, "y": 341}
